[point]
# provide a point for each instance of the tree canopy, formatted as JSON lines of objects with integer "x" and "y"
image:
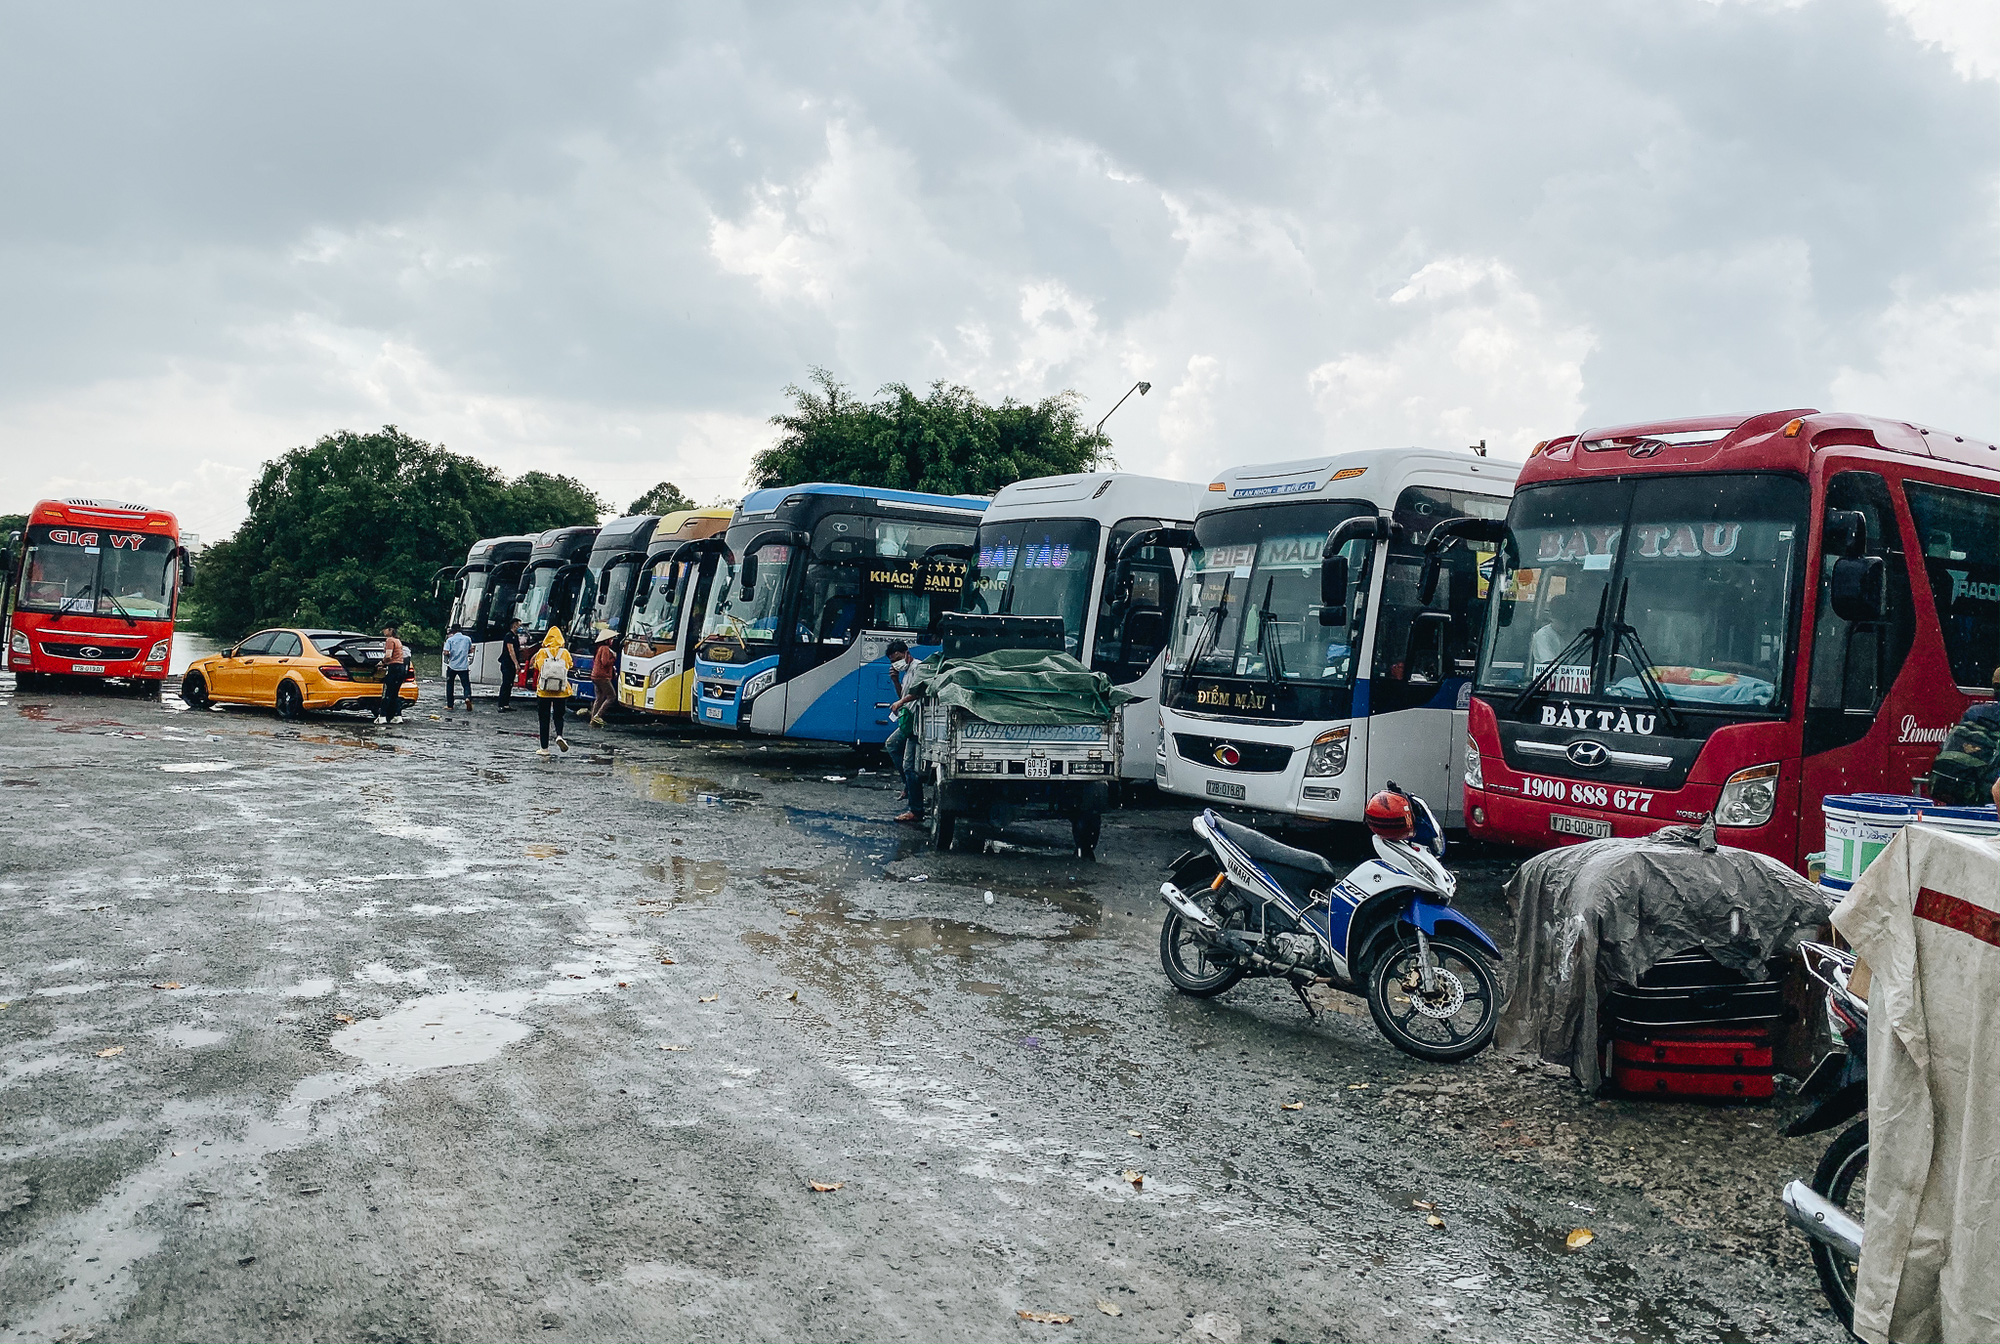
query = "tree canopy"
{"x": 948, "y": 442}
{"x": 663, "y": 499}
{"x": 350, "y": 531}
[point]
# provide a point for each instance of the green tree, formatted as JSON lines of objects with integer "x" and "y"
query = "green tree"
{"x": 948, "y": 441}
{"x": 11, "y": 523}
{"x": 350, "y": 531}
{"x": 663, "y": 499}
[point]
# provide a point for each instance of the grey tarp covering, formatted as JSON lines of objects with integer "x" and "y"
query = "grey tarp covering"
{"x": 1021, "y": 686}
{"x": 1593, "y": 916}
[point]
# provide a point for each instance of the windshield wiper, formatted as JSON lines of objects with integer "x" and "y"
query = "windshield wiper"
{"x": 1209, "y": 630}
{"x": 119, "y": 607}
{"x": 1654, "y": 691}
{"x": 1274, "y": 654}
{"x": 1541, "y": 679}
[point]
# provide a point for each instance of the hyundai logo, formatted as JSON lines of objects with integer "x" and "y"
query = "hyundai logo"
{"x": 1645, "y": 448}
{"x": 1228, "y": 755}
{"x": 1588, "y": 754}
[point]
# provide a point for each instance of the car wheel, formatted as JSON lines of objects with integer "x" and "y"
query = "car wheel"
{"x": 291, "y": 704}
{"x": 194, "y": 691}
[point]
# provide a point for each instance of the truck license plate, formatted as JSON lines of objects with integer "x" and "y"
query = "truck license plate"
{"x": 1593, "y": 827}
{"x": 1038, "y": 769}
{"x": 86, "y": 667}
{"x": 1222, "y": 788}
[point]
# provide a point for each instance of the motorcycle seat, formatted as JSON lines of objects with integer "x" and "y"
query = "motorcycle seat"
{"x": 1265, "y": 850}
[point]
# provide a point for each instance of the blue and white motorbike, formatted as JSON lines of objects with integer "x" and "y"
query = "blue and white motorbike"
{"x": 1247, "y": 905}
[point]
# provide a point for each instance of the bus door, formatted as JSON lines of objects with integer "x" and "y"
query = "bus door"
{"x": 1429, "y": 618}
{"x": 903, "y": 600}
{"x": 1855, "y": 656}
{"x": 1958, "y": 531}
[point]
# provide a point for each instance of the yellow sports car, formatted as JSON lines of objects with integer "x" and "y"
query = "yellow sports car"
{"x": 293, "y": 671}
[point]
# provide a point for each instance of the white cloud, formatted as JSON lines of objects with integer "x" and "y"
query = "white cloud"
{"x": 1482, "y": 360}
{"x": 1967, "y": 30}
{"x": 1936, "y": 361}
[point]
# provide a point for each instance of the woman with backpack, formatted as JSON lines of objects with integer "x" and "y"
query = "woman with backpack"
{"x": 549, "y": 673}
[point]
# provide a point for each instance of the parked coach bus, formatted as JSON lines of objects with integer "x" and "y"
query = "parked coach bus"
{"x": 604, "y": 596}
{"x": 816, "y": 582}
{"x": 668, "y": 602}
{"x": 550, "y": 585}
{"x": 1052, "y": 547}
{"x": 483, "y": 600}
{"x": 90, "y": 590}
{"x": 1731, "y": 617}
{"x": 1327, "y": 631}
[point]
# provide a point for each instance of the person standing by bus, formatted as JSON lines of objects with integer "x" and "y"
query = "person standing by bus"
{"x": 902, "y": 743}
{"x": 550, "y": 670}
{"x": 395, "y": 670}
{"x": 510, "y": 662}
{"x": 603, "y": 677}
{"x": 457, "y": 665}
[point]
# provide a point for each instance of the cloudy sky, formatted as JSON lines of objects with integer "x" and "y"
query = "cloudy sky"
{"x": 601, "y": 239}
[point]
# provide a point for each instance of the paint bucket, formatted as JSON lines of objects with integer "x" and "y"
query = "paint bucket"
{"x": 1979, "y": 821}
{"x": 1860, "y": 826}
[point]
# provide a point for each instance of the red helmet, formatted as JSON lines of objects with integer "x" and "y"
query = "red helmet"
{"x": 1390, "y": 816}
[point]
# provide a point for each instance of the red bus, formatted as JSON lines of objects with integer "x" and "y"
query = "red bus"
{"x": 1731, "y": 617}
{"x": 90, "y": 591}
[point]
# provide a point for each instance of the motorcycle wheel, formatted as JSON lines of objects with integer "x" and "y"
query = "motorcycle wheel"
{"x": 1187, "y": 962}
{"x": 1426, "y": 1031}
{"x": 1842, "y": 1176}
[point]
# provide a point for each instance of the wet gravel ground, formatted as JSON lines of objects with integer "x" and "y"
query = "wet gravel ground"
{"x": 326, "y": 1031}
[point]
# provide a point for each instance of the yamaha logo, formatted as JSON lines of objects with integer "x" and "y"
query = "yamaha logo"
{"x": 1588, "y": 754}
{"x": 1228, "y": 755}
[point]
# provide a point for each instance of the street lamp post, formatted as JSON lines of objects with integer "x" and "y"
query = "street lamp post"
{"x": 1142, "y": 388}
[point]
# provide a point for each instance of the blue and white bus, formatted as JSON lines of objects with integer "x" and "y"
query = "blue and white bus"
{"x": 1327, "y": 629}
{"x": 814, "y": 582}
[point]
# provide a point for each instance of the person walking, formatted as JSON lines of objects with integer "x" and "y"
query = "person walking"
{"x": 603, "y": 677}
{"x": 457, "y": 665}
{"x": 550, "y": 669}
{"x": 510, "y": 663}
{"x": 395, "y": 671}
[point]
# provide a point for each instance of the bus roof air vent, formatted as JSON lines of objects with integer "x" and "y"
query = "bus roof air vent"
{"x": 107, "y": 504}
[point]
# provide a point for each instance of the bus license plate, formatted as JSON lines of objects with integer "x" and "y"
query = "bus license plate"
{"x": 1219, "y": 788}
{"x": 86, "y": 667}
{"x": 1038, "y": 769}
{"x": 1593, "y": 828}
{"x": 712, "y": 713}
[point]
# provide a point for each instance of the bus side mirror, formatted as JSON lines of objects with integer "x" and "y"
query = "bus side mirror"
{"x": 1332, "y": 587}
{"x": 1846, "y": 532}
{"x": 1432, "y": 627}
{"x": 1145, "y": 634}
{"x": 1860, "y": 588}
{"x": 749, "y": 575}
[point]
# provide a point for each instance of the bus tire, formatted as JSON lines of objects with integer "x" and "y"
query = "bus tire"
{"x": 291, "y": 703}
{"x": 1085, "y": 832}
{"x": 194, "y": 691}
{"x": 944, "y": 829}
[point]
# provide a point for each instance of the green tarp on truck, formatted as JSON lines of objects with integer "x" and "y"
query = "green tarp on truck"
{"x": 1021, "y": 686}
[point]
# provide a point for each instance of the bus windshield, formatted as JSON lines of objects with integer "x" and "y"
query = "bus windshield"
{"x": 614, "y": 594}
{"x": 99, "y": 573}
{"x": 531, "y": 608}
{"x": 1037, "y": 569}
{"x": 465, "y": 612}
{"x": 1250, "y": 606}
{"x": 1700, "y": 569}
{"x": 752, "y": 620}
{"x": 656, "y": 612}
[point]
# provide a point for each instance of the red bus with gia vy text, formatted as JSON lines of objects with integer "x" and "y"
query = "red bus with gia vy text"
{"x": 90, "y": 590}
{"x": 1731, "y": 617}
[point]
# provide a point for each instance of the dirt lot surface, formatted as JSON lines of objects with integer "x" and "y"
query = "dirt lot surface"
{"x": 327, "y": 1031}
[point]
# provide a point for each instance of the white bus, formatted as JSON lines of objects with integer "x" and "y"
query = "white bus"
{"x": 1053, "y": 546}
{"x": 1313, "y": 657}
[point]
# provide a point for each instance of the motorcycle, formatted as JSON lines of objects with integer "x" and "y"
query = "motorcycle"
{"x": 1829, "y": 1208}
{"x": 1246, "y": 905}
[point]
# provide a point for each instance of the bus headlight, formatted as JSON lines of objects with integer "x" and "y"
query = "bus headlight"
{"x": 1328, "y": 754}
{"x": 19, "y": 643}
{"x": 1475, "y": 773}
{"x": 659, "y": 674}
{"x": 160, "y": 647}
{"x": 756, "y": 686}
{"x": 1748, "y": 797}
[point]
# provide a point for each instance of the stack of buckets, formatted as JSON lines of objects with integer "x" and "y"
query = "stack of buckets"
{"x": 1860, "y": 826}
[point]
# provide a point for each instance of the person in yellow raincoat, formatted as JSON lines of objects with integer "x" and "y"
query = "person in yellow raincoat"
{"x": 550, "y": 673}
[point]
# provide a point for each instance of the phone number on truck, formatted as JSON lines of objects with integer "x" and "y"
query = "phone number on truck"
{"x": 1586, "y": 795}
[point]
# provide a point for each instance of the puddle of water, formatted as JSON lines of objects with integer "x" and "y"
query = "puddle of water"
{"x": 664, "y": 786}
{"x": 381, "y": 973}
{"x": 198, "y": 767}
{"x": 690, "y": 878}
{"x": 310, "y": 989}
{"x": 193, "y": 1038}
{"x": 438, "y": 1031}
